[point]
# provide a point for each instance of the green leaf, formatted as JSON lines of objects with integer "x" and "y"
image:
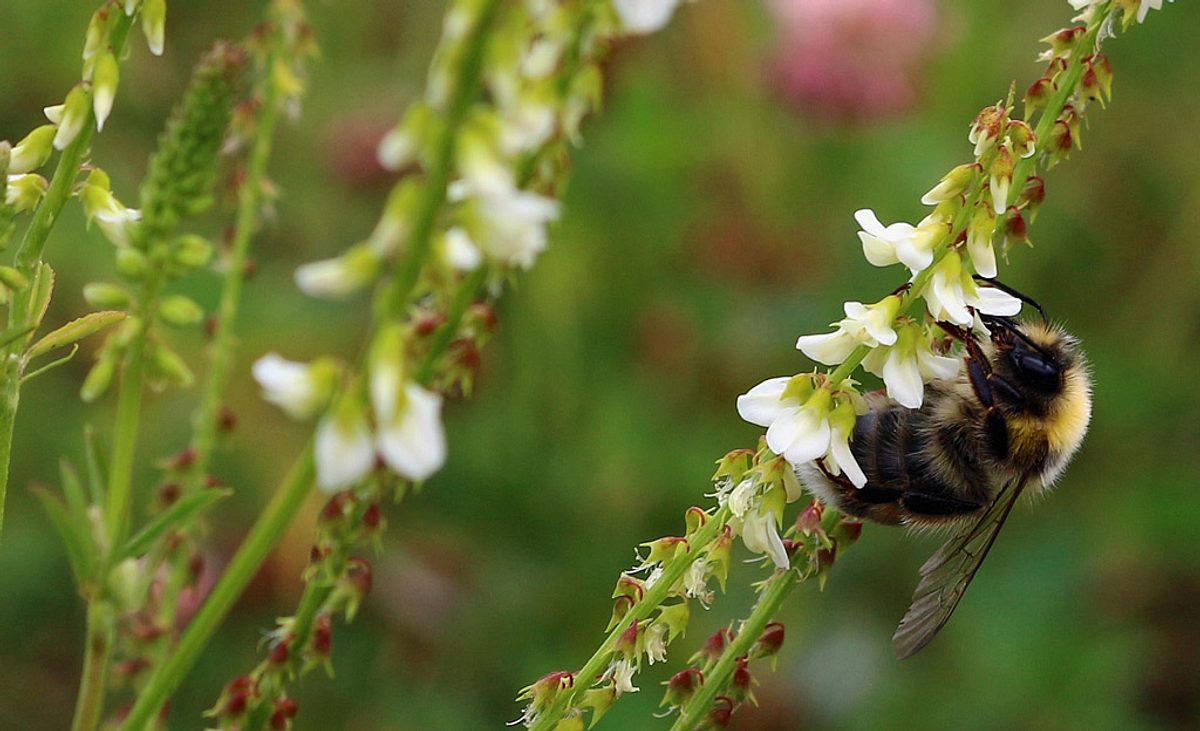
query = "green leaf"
{"x": 43, "y": 287}
{"x": 75, "y": 536}
{"x": 14, "y": 333}
{"x": 73, "y": 491}
{"x": 75, "y": 330}
{"x": 181, "y": 512}
{"x": 96, "y": 467}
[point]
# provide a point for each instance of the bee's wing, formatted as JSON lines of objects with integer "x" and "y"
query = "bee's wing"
{"x": 946, "y": 575}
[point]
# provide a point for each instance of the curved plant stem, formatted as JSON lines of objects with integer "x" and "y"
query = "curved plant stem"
{"x": 673, "y": 571}
{"x": 717, "y": 678}
{"x": 267, "y": 531}
{"x": 90, "y": 702}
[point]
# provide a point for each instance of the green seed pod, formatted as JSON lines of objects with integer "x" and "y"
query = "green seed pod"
{"x": 180, "y": 311}
{"x": 131, "y": 264}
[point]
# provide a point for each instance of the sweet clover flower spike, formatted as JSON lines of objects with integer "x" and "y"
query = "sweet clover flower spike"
{"x": 869, "y": 325}
{"x": 899, "y": 242}
{"x": 909, "y": 364}
{"x": 797, "y": 413}
{"x": 644, "y": 16}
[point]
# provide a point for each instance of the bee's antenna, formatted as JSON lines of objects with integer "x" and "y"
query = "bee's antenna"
{"x": 1009, "y": 290}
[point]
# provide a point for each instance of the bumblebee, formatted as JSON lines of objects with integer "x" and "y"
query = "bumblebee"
{"x": 1007, "y": 424}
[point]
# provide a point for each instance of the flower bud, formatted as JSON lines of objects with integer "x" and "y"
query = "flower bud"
{"x": 103, "y": 294}
{"x": 1038, "y": 94}
{"x": 180, "y": 311}
{"x": 24, "y": 191}
{"x": 769, "y": 642}
{"x": 32, "y": 151}
{"x": 283, "y": 712}
{"x": 191, "y": 250}
{"x": 132, "y": 263}
{"x": 682, "y": 686}
{"x": 98, "y": 378}
{"x": 987, "y": 127}
{"x": 714, "y": 646}
{"x": 621, "y": 607}
{"x": 722, "y": 711}
{"x": 1024, "y": 141}
{"x": 154, "y": 18}
{"x": 809, "y": 519}
{"x": 734, "y": 465}
{"x": 1015, "y": 229}
{"x": 740, "y": 684}
{"x": 1000, "y": 178}
{"x": 952, "y": 184}
{"x": 1032, "y": 195}
{"x": 1062, "y": 42}
{"x": 172, "y": 368}
{"x": 694, "y": 519}
{"x": 73, "y": 115}
{"x": 664, "y": 549}
{"x": 104, "y": 86}
{"x": 1096, "y": 82}
{"x": 628, "y": 644}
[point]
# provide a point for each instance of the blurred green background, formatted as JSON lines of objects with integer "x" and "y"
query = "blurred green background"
{"x": 707, "y": 224}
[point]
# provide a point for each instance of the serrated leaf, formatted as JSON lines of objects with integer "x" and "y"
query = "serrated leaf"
{"x": 76, "y": 537}
{"x": 75, "y": 330}
{"x": 181, "y": 512}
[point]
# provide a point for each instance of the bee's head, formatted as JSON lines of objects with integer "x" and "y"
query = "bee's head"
{"x": 1034, "y": 357}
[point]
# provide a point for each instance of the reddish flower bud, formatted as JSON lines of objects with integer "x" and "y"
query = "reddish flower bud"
{"x": 847, "y": 533}
{"x": 769, "y": 642}
{"x": 621, "y": 607}
{"x": 483, "y": 314}
{"x": 714, "y": 645}
{"x": 226, "y": 420}
{"x": 181, "y": 461}
{"x": 722, "y": 711}
{"x": 167, "y": 494}
{"x": 322, "y": 636}
{"x": 372, "y": 517}
{"x": 809, "y": 520}
{"x": 284, "y": 711}
{"x": 358, "y": 575}
{"x": 1038, "y": 94}
{"x": 280, "y": 651}
{"x": 426, "y": 322}
{"x": 694, "y": 518}
{"x": 681, "y": 686}
{"x": 627, "y": 643}
{"x": 740, "y": 682}
{"x": 1015, "y": 228}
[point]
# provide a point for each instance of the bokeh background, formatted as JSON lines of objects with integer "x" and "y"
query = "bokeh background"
{"x": 707, "y": 224}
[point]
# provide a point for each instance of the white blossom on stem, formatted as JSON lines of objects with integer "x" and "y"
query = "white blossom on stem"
{"x": 300, "y": 389}
{"x": 644, "y": 16}
{"x": 951, "y": 291}
{"x": 869, "y": 325}
{"x": 343, "y": 451}
{"x": 899, "y": 242}
{"x": 908, "y": 365}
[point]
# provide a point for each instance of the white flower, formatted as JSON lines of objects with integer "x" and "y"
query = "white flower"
{"x": 656, "y": 642}
{"x": 869, "y": 325}
{"x": 510, "y": 224}
{"x": 71, "y": 116}
{"x": 797, "y": 427}
{"x": 396, "y": 149}
{"x": 526, "y": 124}
{"x": 1146, "y": 6}
{"x": 695, "y": 579}
{"x": 32, "y": 152}
{"x": 104, "y": 87}
{"x": 899, "y": 242}
{"x": 460, "y": 252}
{"x": 951, "y": 290}
{"x": 760, "y": 533}
{"x": 299, "y": 389}
{"x": 343, "y": 452}
{"x": 24, "y": 191}
{"x": 644, "y": 16}
{"x": 100, "y": 205}
{"x": 340, "y": 276}
{"x": 413, "y": 441}
{"x": 979, "y": 241}
{"x": 740, "y": 498}
{"x": 908, "y": 365}
{"x": 801, "y": 420}
{"x": 621, "y": 673}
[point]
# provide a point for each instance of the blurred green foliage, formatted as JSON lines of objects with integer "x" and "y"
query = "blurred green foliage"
{"x": 707, "y": 225}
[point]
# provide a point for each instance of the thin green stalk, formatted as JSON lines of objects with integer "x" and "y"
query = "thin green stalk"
{"x": 9, "y": 399}
{"x": 652, "y": 599}
{"x": 89, "y": 705}
{"x": 249, "y": 197}
{"x": 438, "y": 176}
{"x": 263, "y": 536}
{"x": 768, "y": 606}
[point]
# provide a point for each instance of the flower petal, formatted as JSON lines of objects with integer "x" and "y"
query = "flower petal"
{"x": 827, "y": 348}
{"x": 414, "y": 444}
{"x": 761, "y": 405}
{"x": 903, "y": 380}
{"x": 992, "y": 301}
{"x": 811, "y": 441}
{"x": 342, "y": 452}
{"x": 839, "y": 451}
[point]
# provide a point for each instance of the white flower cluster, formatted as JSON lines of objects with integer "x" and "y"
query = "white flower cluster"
{"x": 1089, "y": 7}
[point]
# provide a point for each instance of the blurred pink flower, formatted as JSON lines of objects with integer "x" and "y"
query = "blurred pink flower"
{"x": 852, "y": 59}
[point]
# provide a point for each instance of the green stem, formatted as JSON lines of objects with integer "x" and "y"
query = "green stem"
{"x": 263, "y": 536}
{"x": 717, "y": 678}
{"x": 9, "y": 399}
{"x": 249, "y": 197}
{"x": 466, "y": 92}
{"x": 89, "y": 704}
{"x": 673, "y": 570}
